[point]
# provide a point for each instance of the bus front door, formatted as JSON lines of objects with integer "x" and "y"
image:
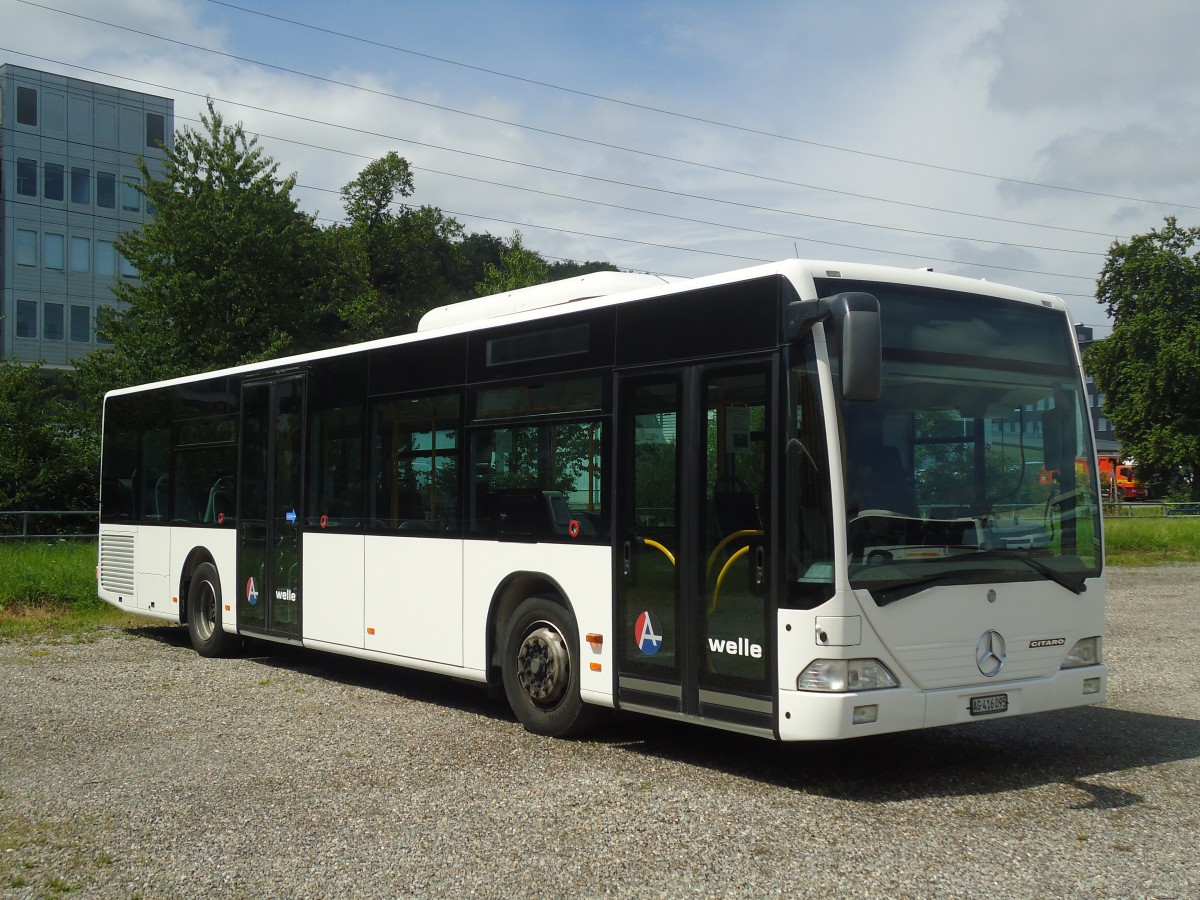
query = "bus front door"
{"x": 694, "y": 619}
{"x": 270, "y": 513}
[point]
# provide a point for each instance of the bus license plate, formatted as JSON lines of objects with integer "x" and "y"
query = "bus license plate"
{"x": 989, "y": 705}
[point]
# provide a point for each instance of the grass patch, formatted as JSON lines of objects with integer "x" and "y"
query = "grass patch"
{"x": 1152, "y": 542}
{"x": 50, "y": 574}
{"x": 50, "y": 588}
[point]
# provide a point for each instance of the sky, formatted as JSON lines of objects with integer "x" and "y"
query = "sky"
{"x": 1011, "y": 140}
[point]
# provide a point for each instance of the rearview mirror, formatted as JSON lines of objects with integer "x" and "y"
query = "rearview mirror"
{"x": 856, "y": 319}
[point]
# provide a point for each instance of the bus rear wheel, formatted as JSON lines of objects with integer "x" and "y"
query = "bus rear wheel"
{"x": 541, "y": 669}
{"x": 204, "y": 613}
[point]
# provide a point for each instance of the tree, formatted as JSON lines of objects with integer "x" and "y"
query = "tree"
{"x": 518, "y": 268}
{"x": 47, "y": 461}
{"x": 226, "y": 264}
{"x": 1149, "y": 368}
{"x": 568, "y": 269}
{"x": 392, "y": 262}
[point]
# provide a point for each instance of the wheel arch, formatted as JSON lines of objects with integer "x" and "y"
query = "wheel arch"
{"x": 508, "y": 595}
{"x": 195, "y": 558}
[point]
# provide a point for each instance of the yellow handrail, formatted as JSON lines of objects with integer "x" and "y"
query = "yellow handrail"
{"x": 712, "y": 557}
{"x": 657, "y": 546}
{"x": 712, "y": 607}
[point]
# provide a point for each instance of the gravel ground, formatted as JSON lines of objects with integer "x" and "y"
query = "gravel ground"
{"x": 131, "y": 767}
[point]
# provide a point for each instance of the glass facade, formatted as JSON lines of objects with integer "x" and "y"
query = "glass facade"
{"x": 61, "y": 211}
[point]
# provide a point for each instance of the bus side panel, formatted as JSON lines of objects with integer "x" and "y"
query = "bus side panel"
{"x": 219, "y": 544}
{"x": 154, "y": 592}
{"x": 414, "y": 598}
{"x": 332, "y": 588}
{"x": 585, "y": 575}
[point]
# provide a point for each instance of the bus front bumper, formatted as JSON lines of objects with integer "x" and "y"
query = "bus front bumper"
{"x": 813, "y": 716}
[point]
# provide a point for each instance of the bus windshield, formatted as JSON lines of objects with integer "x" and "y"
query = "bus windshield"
{"x": 975, "y": 463}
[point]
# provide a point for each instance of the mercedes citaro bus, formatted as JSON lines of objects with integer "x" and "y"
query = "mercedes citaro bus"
{"x": 806, "y": 501}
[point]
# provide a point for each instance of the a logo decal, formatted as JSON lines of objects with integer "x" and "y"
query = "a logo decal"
{"x": 989, "y": 653}
{"x": 1047, "y": 642}
{"x": 251, "y": 592}
{"x": 648, "y": 633}
{"x": 736, "y": 647}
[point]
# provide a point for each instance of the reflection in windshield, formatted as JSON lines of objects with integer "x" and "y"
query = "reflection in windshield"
{"x": 975, "y": 464}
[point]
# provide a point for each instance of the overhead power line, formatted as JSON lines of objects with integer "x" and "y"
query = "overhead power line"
{"x": 687, "y": 116}
{"x": 590, "y": 141}
{"x": 922, "y": 257}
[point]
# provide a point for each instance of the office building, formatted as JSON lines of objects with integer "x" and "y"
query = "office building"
{"x": 67, "y": 189}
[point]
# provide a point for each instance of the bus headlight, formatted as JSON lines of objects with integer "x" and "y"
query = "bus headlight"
{"x": 845, "y": 675}
{"x": 1086, "y": 652}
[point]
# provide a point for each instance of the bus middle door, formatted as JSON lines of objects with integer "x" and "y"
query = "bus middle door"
{"x": 270, "y": 511}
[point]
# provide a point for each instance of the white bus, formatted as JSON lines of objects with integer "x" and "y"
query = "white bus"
{"x": 805, "y": 501}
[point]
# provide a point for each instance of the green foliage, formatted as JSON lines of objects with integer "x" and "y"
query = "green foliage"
{"x": 48, "y": 452}
{"x": 566, "y": 269}
{"x": 50, "y": 590}
{"x": 1149, "y": 367}
{"x": 391, "y": 263}
{"x": 519, "y": 268}
{"x": 227, "y": 264}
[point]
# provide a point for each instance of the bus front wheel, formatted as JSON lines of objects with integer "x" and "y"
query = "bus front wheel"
{"x": 204, "y": 613}
{"x": 541, "y": 669}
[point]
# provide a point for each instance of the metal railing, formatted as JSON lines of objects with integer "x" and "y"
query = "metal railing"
{"x": 1155, "y": 509}
{"x": 47, "y": 524}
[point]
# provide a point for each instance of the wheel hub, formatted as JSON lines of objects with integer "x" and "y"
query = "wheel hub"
{"x": 544, "y": 664}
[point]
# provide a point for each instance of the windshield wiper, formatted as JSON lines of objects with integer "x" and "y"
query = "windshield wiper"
{"x": 1075, "y": 585}
{"x": 963, "y": 576}
{"x": 908, "y": 588}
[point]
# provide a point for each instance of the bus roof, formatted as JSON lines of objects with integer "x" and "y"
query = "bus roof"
{"x": 602, "y": 288}
{"x": 582, "y": 287}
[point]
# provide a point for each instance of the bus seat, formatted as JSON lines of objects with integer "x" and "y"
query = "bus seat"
{"x": 736, "y": 511}
{"x": 220, "y": 498}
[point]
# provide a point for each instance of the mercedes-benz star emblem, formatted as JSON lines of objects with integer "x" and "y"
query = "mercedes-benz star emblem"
{"x": 989, "y": 653}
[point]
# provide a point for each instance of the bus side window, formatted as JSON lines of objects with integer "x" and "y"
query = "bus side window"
{"x": 414, "y": 464}
{"x": 538, "y": 481}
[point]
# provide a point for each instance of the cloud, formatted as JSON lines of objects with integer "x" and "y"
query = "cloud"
{"x": 1083, "y": 54}
{"x": 1144, "y": 158}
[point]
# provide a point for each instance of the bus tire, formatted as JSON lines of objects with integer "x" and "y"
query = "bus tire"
{"x": 204, "y": 613}
{"x": 540, "y": 669}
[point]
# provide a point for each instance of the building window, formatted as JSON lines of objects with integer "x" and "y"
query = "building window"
{"x": 26, "y": 247}
{"x": 54, "y": 113}
{"x": 106, "y": 258}
{"x": 131, "y": 200}
{"x": 128, "y": 269}
{"x": 81, "y": 186}
{"x": 27, "y": 177}
{"x": 27, "y": 106}
{"x": 81, "y": 324}
{"x": 81, "y": 253}
{"x": 26, "y": 319}
{"x": 155, "y": 129}
{"x": 52, "y": 251}
{"x": 53, "y": 185}
{"x": 106, "y": 190}
{"x": 52, "y": 321}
